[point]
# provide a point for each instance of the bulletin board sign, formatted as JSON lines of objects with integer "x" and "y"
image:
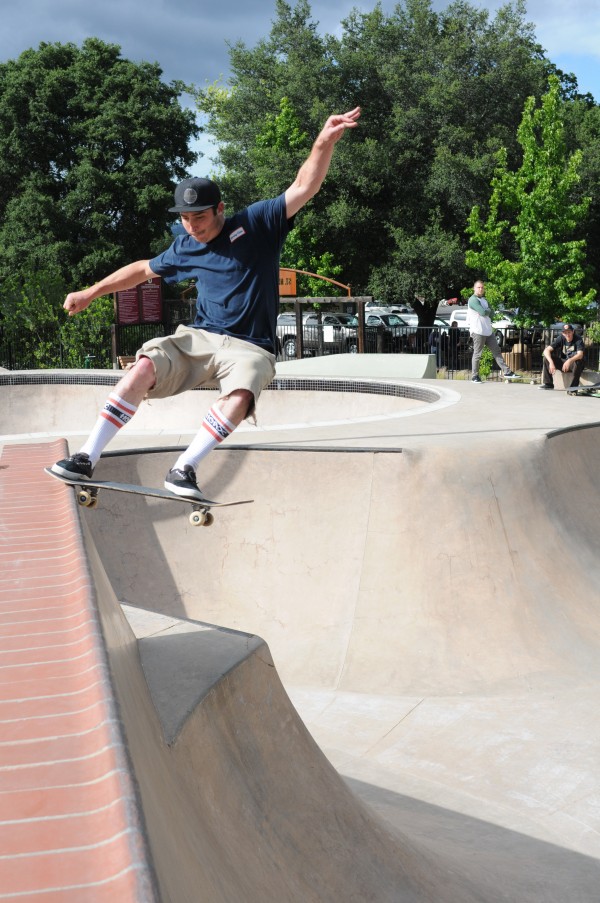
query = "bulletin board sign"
{"x": 141, "y": 304}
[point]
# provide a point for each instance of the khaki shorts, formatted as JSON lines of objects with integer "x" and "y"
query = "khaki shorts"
{"x": 193, "y": 357}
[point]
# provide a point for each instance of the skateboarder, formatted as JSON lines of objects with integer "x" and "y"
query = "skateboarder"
{"x": 565, "y": 353}
{"x": 235, "y": 262}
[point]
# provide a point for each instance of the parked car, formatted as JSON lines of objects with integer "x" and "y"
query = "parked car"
{"x": 409, "y": 319}
{"x": 419, "y": 336}
{"x": 505, "y": 329}
{"x": 338, "y": 329}
{"x": 335, "y": 333}
{"x": 393, "y": 327}
{"x": 441, "y": 323}
{"x": 459, "y": 316}
{"x": 347, "y": 319}
{"x": 377, "y": 310}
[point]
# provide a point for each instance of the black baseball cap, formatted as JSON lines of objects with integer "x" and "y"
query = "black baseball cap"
{"x": 195, "y": 194}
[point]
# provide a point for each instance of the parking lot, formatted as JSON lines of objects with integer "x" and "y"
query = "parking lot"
{"x": 395, "y": 330}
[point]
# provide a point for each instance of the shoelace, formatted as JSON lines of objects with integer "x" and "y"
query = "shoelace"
{"x": 188, "y": 475}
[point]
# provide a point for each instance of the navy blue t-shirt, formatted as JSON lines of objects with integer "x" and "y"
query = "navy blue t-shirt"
{"x": 237, "y": 273}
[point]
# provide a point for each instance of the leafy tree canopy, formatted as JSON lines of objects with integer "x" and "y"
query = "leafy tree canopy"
{"x": 441, "y": 94}
{"x": 90, "y": 147}
{"x": 528, "y": 245}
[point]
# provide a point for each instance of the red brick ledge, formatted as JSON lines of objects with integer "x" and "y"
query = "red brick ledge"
{"x": 70, "y": 824}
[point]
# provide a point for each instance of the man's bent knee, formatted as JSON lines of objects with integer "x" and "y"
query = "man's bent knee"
{"x": 238, "y": 405}
{"x": 141, "y": 377}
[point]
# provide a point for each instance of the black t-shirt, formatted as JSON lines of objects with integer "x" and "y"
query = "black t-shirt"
{"x": 566, "y": 348}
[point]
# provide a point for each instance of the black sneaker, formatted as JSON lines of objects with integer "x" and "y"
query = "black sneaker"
{"x": 544, "y": 386}
{"x": 508, "y": 374}
{"x": 78, "y": 465}
{"x": 183, "y": 482}
{"x": 476, "y": 379}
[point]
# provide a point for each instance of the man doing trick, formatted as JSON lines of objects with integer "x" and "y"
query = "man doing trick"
{"x": 235, "y": 263}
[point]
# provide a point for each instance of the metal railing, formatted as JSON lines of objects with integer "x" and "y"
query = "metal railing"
{"x": 522, "y": 348}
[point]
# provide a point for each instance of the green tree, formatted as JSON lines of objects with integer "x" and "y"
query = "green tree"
{"x": 448, "y": 90}
{"x": 35, "y": 334}
{"x": 582, "y": 127}
{"x": 422, "y": 266}
{"x": 90, "y": 147}
{"x": 527, "y": 245}
{"x": 441, "y": 93}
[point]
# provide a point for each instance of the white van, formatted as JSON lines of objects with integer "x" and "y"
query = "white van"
{"x": 505, "y": 330}
{"x": 459, "y": 315}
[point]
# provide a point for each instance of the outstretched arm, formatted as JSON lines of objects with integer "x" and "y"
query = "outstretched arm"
{"x": 126, "y": 277}
{"x": 314, "y": 169}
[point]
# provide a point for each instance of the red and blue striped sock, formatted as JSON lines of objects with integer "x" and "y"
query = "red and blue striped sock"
{"x": 214, "y": 430}
{"x": 115, "y": 414}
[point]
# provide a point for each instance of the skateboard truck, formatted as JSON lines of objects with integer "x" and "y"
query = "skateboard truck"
{"x": 87, "y": 497}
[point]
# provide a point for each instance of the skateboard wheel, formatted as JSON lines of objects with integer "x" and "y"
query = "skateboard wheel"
{"x": 85, "y": 498}
{"x": 198, "y": 518}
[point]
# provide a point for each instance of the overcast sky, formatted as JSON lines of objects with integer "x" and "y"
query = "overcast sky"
{"x": 189, "y": 38}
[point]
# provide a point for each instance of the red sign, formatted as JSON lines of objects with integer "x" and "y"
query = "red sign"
{"x": 141, "y": 304}
{"x": 151, "y": 301}
{"x": 128, "y": 307}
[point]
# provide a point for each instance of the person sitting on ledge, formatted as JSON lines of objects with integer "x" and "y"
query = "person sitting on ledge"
{"x": 565, "y": 353}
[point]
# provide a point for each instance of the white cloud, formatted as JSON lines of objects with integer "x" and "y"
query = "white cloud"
{"x": 562, "y": 32}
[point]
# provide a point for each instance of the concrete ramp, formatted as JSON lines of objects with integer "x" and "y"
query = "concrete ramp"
{"x": 239, "y": 802}
{"x": 417, "y": 572}
{"x": 429, "y": 602}
{"x": 433, "y": 613}
{"x": 162, "y": 761}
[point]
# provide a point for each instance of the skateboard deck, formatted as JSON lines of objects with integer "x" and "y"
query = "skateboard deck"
{"x": 532, "y": 380}
{"x": 593, "y": 390}
{"x": 87, "y": 496}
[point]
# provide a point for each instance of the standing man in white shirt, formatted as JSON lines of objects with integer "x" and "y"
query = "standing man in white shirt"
{"x": 479, "y": 323}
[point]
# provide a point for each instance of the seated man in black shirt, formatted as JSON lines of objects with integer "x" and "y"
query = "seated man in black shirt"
{"x": 564, "y": 353}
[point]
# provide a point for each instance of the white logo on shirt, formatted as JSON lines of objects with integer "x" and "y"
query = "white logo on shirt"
{"x": 237, "y": 233}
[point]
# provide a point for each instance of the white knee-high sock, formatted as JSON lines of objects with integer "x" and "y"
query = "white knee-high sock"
{"x": 214, "y": 430}
{"x": 113, "y": 417}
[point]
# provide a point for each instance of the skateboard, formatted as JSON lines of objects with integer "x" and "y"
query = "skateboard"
{"x": 86, "y": 492}
{"x": 593, "y": 390}
{"x": 532, "y": 380}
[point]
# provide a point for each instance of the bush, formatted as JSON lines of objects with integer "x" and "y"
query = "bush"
{"x": 486, "y": 363}
{"x": 37, "y": 333}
